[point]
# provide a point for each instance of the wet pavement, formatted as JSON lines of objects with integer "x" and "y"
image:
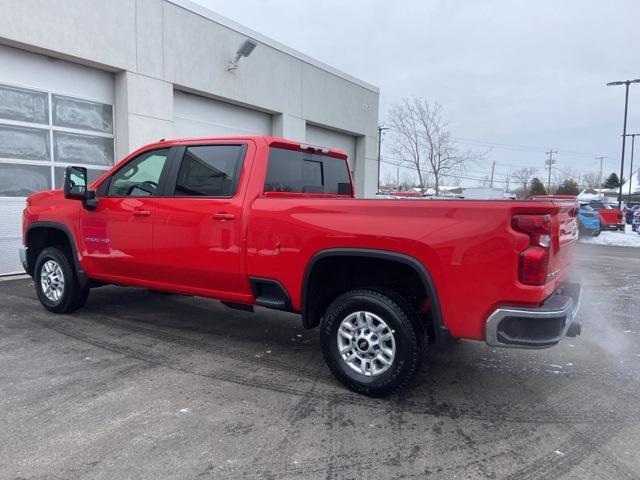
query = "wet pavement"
{"x": 142, "y": 385}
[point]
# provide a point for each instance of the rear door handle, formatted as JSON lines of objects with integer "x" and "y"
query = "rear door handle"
{"x": 141, "y": 213}
{"x": 224, "y": 216}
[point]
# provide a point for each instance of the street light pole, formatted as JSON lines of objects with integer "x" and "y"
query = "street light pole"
{"x": 380, "y": 130}
{"x": 626, "y": 83}
{"x": 633, "y": 141}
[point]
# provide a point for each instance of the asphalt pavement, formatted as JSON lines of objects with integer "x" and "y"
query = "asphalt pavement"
{"x": 147, "y": 386}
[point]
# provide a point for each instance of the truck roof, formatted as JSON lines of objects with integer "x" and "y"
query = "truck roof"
{"x": 277, "y": 142}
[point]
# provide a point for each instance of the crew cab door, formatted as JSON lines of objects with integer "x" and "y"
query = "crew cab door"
{"x": 117, "y": 235}
{"x": 198, "y": 223}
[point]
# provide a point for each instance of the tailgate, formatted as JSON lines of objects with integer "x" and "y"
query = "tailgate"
{"x": 565, "y": 234}
{"x": 610, "y": 217}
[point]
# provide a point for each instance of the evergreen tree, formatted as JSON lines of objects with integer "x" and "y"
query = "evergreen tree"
{"x": 612, "y": 181}
{"x": 537, "y": 188}
{"x": 568, "y": 187}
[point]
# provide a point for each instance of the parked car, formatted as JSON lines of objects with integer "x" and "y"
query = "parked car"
{"x": 635, "y": 223}
{"x": 588, "y": 221}
{"x": 610, "y": 218}
{"x": 629, "y": 213}
{"x": 263, "y": 221}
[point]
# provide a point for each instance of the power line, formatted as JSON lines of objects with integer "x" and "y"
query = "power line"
{"x": 520, "y": 147}
{"x": 461, "y": 177}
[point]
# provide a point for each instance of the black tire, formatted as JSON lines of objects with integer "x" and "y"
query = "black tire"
{"x": 73, "y": 296}
{"x": 408, "y": 336}
{"x": 596, "y": 233}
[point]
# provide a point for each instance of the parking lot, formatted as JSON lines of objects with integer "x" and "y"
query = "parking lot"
{"x": 143, "y": 385}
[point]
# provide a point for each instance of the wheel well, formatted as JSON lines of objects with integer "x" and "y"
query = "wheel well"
{"x": 330, "y": 276}
{"x": 39, "y": 238}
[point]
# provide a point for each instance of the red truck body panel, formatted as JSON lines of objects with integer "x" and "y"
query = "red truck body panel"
{"x": 610, "y": 218}
{"x": 212, "y": 246}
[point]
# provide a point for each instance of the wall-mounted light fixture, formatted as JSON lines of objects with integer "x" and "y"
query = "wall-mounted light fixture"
{"x": 246, "y": 49}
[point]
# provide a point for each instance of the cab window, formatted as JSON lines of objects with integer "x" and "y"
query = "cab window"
{"x": 294, "y": 171}
{"x": 209, "y": 171}
{"x": 139, "y": 177}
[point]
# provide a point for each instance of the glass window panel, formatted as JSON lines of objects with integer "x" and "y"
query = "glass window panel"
{"x": 23, "y": 105}
{"x": 24, "y": 143}
{"x": 139, "y": 177}
{"x": 301, "y": 172}
{"x": 58, "y": 175}
{"x": 76, "y": 148}
{"x": 18, "y": 180}
{"x": 209, "y": 171}
{"x": 82, "y": 114}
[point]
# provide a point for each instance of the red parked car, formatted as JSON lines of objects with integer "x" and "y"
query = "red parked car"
{"x": 610, "y": 218}
{"x": 262, "y": 221}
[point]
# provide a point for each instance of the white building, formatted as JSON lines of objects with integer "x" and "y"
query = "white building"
{"x": 85, "y": 82}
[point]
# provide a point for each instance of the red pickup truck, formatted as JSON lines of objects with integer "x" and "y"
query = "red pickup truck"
{"x": 269, "y": 222}
{"x": 610, "y": 218}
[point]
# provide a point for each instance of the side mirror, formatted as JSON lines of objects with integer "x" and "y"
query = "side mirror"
{"x": 75, "y": 187}
{"x": 75, "y": 183}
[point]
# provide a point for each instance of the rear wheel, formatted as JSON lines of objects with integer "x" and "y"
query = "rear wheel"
{"x": 372, "y": 341}
{"x": 56, "y": 282}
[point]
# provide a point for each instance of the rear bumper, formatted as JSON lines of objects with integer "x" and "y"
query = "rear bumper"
{"x": 612, "y": 226}
{"x": 539, "y": 327}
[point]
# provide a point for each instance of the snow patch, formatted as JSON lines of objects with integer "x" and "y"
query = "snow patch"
{"x": 615, "y": 239}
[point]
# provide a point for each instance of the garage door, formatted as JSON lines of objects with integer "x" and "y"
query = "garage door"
{"x": 196, "y": 116}
{"x": 324, "y": 137}
{"x": 52, "y": 114}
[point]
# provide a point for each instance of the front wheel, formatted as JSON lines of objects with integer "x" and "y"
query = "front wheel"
{"x": 56, "y": 282}
{"x": 372, "y": 341}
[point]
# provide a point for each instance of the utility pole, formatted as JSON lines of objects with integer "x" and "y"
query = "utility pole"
{"x": 380, "y": 130}
{"x": 493, "y": 170}
{"x": 633, "y": 141}
{"x": 626, "y": 83}
{"x": 601, "y": 179}
{"x": 550, "y": 162}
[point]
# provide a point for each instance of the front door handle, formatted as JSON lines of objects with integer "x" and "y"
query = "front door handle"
{"x": 224, "y": 216}
{"x": 141, "y": 213}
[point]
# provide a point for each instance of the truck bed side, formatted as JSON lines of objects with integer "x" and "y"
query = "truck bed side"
{"x": 469, "y": 248}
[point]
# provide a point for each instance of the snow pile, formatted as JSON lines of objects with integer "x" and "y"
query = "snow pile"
{"x": 635, "y": 184}
{"x": 616, "y": 239}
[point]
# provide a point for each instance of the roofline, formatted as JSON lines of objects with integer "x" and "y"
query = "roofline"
{"x": 231, "y": 24}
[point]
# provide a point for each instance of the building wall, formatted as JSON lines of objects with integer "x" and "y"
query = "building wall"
{"x": 154, "y": 47}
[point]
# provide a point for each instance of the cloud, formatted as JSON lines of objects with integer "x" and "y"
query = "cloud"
{"x": 516, "y": 72}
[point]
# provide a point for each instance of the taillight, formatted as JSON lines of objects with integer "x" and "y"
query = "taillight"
{"x": 534, "y": 261}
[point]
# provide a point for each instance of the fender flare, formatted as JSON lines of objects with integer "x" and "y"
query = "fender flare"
{"x": 82, "y": 277}
{"x": 441, "y": 331}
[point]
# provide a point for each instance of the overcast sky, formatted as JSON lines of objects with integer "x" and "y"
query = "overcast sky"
{"x": 526, "y": 74}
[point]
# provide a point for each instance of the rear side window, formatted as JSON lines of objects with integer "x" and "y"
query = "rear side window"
{"x": 209, "y": 171}
{"x": 300, "y": 172}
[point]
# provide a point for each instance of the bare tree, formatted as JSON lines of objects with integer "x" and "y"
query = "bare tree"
{"x": 591, "y": 180}
{"x": 407, "y": 136}
{"x": 524, "y": 176}
{"x": 422, "y": 136}
{"x": 507, "y": 180}
{"x": 485, "y": 182}
{"x": 560, "y": 175}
